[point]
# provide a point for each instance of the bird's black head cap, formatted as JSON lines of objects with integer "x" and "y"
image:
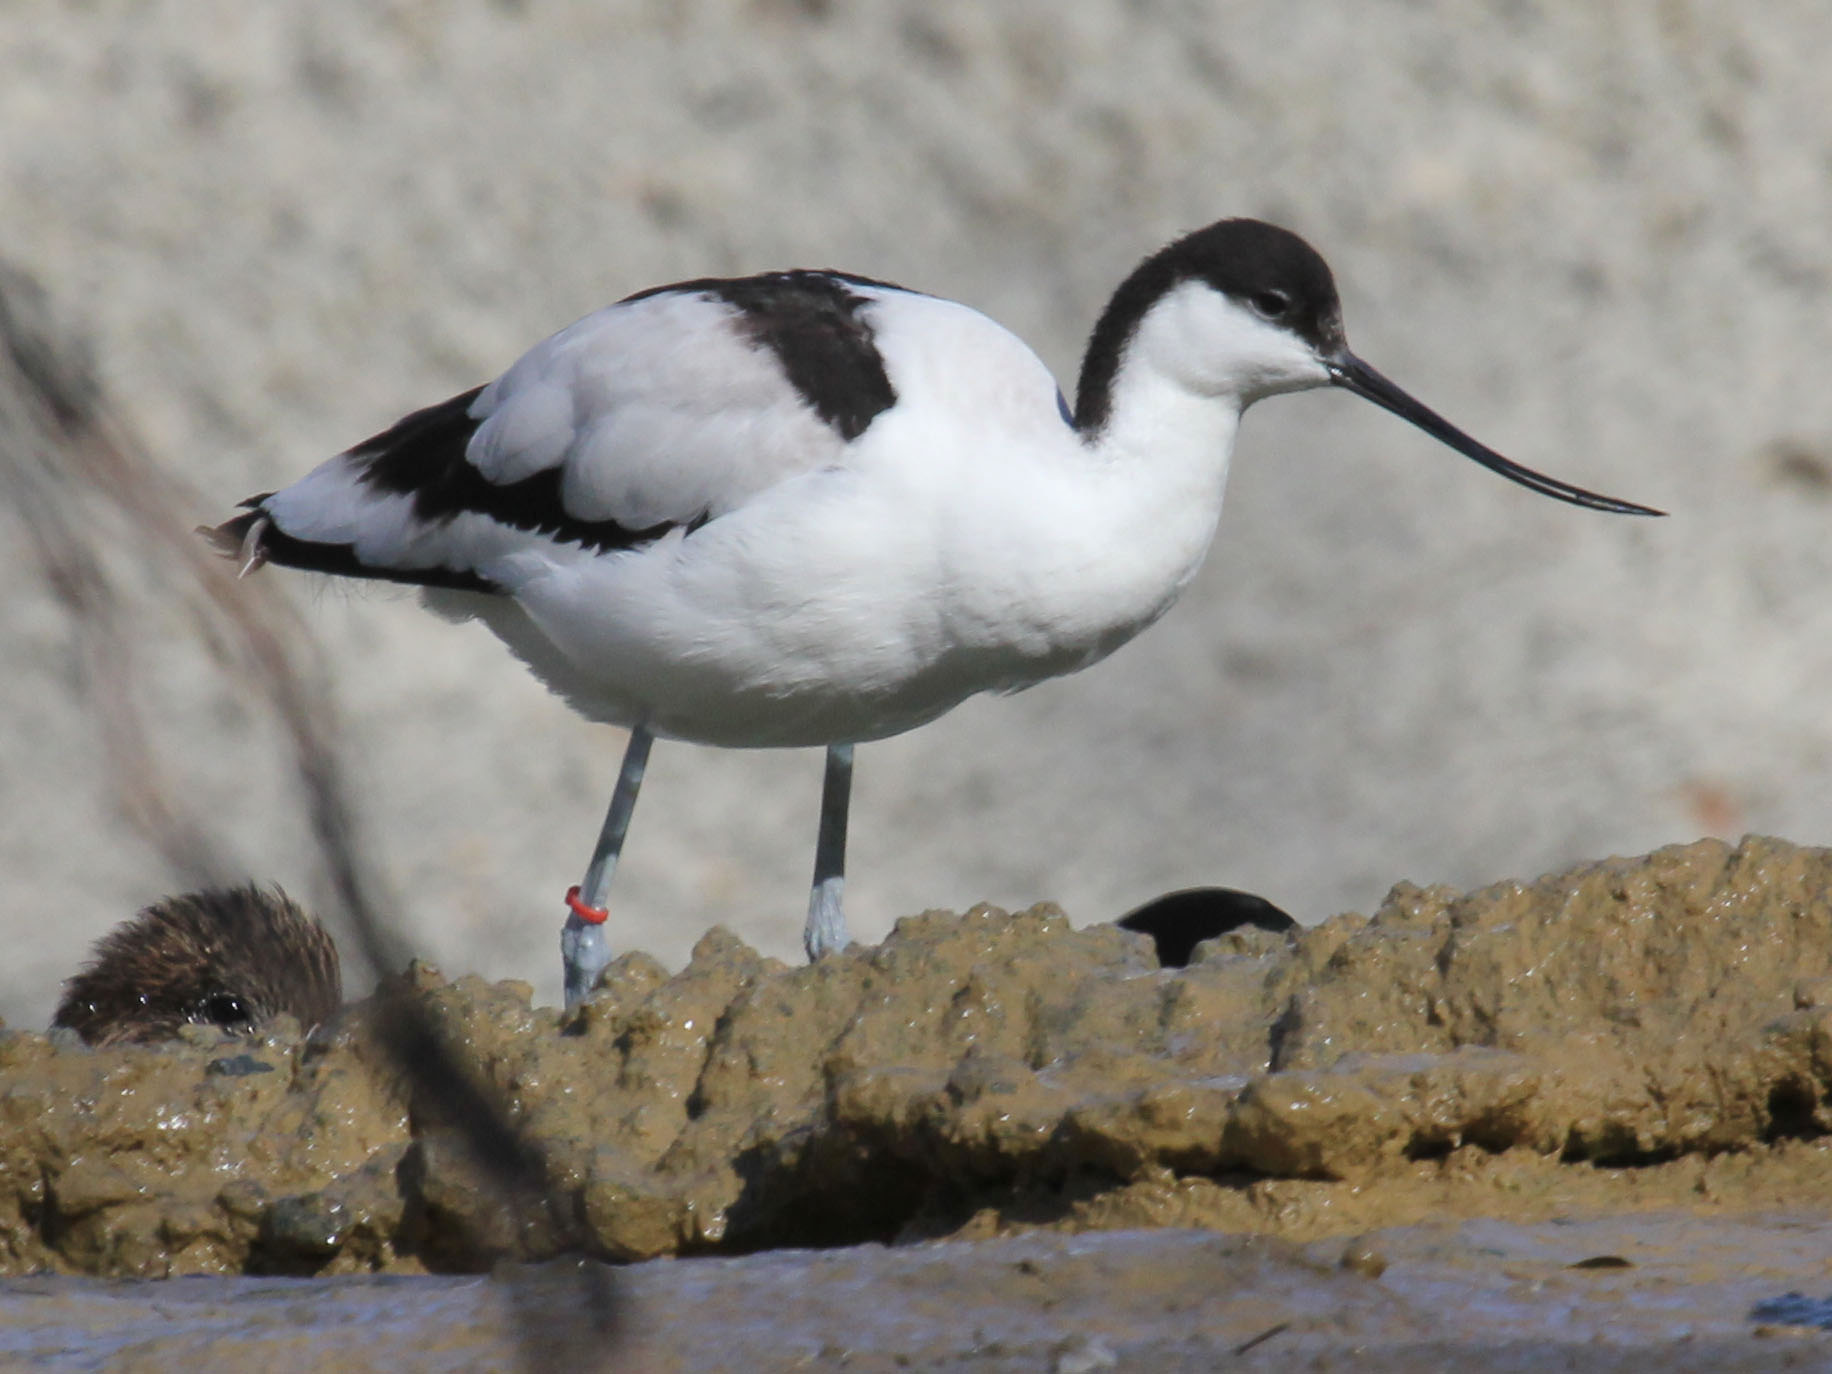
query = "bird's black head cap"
{"x": 1269, "y": 270}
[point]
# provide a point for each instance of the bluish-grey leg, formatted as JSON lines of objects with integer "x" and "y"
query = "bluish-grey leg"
{"x": 583, "y": 949}
{"x": 826, "y": 929}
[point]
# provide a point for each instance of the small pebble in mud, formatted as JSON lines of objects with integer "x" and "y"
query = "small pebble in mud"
{"x": 1360, "y": 1256}
{"x": 237, "y": 1066}
{"x": 1791, "y": 1310}
{"x": 1179, "y": 921}
{"x": 1084, "y": 1355}
{"x": 232, "y": 958}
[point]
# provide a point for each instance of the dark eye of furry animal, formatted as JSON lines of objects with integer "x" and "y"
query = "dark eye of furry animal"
{"x": 224, "y": 1009}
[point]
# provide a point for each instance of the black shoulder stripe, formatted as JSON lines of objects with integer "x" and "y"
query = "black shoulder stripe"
{"x": 423, "y": 456}
{"x": 812, "y": 322}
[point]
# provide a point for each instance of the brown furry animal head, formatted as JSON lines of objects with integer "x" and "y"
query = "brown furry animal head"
{"x": 228, "y": 957}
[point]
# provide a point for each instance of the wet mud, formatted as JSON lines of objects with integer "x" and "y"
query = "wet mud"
{"x": 1633, "y": 1036}
{"x": 1694, "y": 1295}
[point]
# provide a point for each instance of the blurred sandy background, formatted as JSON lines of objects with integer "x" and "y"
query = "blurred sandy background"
{"x": 1595, "y": 236}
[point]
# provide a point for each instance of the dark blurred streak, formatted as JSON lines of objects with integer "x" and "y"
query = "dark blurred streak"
{"x": 97, "y": 509}
{"x": 59, "y": 460}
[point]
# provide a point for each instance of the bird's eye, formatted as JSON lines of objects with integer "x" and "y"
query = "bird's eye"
{"x": 224, "y": 1009}
{"x": 1271, "y": 305}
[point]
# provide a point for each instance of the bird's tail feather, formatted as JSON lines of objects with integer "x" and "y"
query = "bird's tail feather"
{"x": 243, "y": 537}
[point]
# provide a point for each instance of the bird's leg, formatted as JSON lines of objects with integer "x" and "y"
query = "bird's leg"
{"x": 826, "y": 929}
{"x": 583, "y": 949}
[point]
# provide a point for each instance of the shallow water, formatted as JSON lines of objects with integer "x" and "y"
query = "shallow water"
{"x": 1602, "y": 1293}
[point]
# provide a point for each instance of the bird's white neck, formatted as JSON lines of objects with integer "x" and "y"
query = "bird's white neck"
{"x": 1111, "y": 526}
{"x": 1161, "y": 466}
{"x": 1161, "y": 431}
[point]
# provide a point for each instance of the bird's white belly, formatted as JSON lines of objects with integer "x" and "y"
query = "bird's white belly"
{"x": 827, "y": 611}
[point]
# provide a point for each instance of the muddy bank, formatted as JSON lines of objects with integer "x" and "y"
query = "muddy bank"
{"x": 1632, "y": 1034}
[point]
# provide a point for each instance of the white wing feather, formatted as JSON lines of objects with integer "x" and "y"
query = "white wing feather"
{"x": 658, "y": 410}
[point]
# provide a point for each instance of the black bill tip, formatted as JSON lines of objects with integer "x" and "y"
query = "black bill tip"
{"x": 1351, "y": 374}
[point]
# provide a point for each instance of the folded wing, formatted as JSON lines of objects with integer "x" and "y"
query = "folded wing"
{"x": 653, "y": 415}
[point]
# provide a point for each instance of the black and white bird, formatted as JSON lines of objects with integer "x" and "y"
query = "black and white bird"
{"x": 809, "y": 508}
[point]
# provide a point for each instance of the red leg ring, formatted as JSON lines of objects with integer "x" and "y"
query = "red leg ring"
{"x": 591, "y": 915}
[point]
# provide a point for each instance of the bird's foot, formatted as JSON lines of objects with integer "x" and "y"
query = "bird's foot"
{"x": 584, "y": 951}
{"x": 826, "y": 929}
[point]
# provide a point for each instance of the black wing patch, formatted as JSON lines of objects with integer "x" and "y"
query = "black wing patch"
{"x": 811, "y": 321}
{"x": 423, "y": 456}
{"x": 273, "y": 545}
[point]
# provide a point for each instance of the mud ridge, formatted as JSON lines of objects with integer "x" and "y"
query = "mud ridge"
{"x": 1630, "y": 1034}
